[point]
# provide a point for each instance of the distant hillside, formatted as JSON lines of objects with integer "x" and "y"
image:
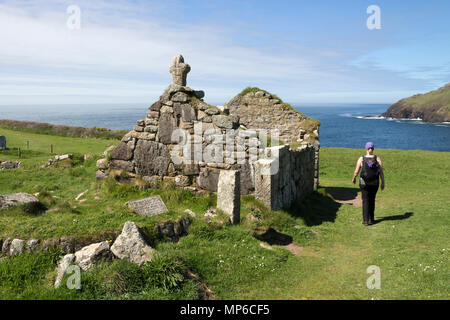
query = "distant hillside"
{"x": 433, "y": 106}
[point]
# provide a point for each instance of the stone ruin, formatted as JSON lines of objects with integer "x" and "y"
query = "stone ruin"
{"x": 186, "y": 141}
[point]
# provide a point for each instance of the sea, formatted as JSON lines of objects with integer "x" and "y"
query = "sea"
{"x": 342, "y": 125}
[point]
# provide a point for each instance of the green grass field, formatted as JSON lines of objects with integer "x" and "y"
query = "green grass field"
{"x": 409, "y": 242}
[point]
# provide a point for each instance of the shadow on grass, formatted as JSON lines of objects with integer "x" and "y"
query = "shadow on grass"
{"x": 317, "y": 208}
{"x": 406, "y": 215}
{"x": 273, "y": 237}
{"x": 343, "y": 194}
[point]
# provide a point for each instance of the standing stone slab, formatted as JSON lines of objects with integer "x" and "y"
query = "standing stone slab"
{"x": 150, "y": 206}
{"x": 229, "y": 194}
{"x": 2, "y": 142}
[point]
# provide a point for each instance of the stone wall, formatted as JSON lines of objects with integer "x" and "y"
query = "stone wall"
{"x": 258, "y": 109}
{"x": 285, "y": 177}
{"x": 186, "y": 141}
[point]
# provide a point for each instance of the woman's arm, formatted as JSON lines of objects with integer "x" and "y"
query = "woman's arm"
{"x": 358, "y": 167}
{"x": 381, "y": 173}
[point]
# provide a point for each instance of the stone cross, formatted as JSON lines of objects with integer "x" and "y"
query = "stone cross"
{"x": 2, "y": 142}
{"x": 179, "y": 70}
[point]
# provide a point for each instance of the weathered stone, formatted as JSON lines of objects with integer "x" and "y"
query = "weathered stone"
{"x": 49, "y": 244}
{"x": 190, "y": 169}
{"x": 17, "y": 199}
{"x": 153, "y": 114}
{"x": 6, "y": 245}
{"x": 188, "y": 113}
{"x": 166, "y": 229}
{"x": 151, "y": 158}
{"x": 66, "y": 244}
{"x": 229, "y": 194}
{"x": 208, "y": 179}
{"x": 166, "y": 109}
{"x": 151, "y": 129}
{"x": 156, "y": 106}
{"x": 179, "y": 70}
{"x": 199, "y": 94}
{"x": 122, "y": 152}
{"x": 121, "y": 165}
{"x": 90, "y": 255}
{"x": 180, "y": 97}
{"x": 100, "y": 175}
{"x": 212, "y": 111}
{"x": 140, "y": 123}
{"x": 32, "y": 245}
{"x": 222, "y": 121}
{"x": 2, "y": 142}
{"x": 138, "y": 128}
{"x": 62, "y": 267}
{"x": 17, "y": 247}
{"x": 151, "y": 122}
{"x": 167, "y": 124}
{"x": 182, "y": 181}
{"x": 148, "y": 206}
{"x": 102, "y": 164}
{"x": 63, "y": 157}
{"x": 130, "y": 244}
{"x": 211, "y": 213}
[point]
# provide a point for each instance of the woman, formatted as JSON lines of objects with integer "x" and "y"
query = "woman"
{"x": 372, "y": 170}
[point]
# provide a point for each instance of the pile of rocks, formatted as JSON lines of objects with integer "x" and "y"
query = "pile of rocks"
{"x": 56, "y": 159}
{"x": 167, "y": 230}
{"x": 130, "y": 245}
{"x": 4, "y": 165}
{"x": 11, "y": 247}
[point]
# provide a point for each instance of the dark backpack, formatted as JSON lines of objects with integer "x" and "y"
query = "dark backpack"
{"x": 370, "y": 171}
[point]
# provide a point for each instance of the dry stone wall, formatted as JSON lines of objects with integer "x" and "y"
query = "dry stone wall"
{"x": 285, "y": 176}
{"x": 186, "y": 141}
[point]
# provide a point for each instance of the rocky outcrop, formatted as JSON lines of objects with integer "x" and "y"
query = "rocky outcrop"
{"x": 17, "y": 199}
{"x": 433, "y": 106}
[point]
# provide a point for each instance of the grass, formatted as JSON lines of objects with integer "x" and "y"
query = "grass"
{"x": 61, "y": 130}
{"x": 409, "y": 243}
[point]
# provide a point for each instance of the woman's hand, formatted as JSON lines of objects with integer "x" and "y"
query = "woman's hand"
{"x": 354, "y": 180}
{"x": 382, "y": 185}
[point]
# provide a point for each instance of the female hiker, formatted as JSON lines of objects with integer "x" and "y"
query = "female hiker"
{"x": 371, "y": 170}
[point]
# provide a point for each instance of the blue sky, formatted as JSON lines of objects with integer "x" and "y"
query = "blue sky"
{"x": 303, "y": 51}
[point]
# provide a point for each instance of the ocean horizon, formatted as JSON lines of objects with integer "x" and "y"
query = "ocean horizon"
{"x": 342, "y": 125}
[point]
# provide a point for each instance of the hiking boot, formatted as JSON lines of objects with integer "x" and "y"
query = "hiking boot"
{"x": 371, "y": 222}
{"x": 365, "y": 223}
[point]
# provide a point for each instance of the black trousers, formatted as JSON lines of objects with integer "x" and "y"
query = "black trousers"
{"x": 368, "y": 202}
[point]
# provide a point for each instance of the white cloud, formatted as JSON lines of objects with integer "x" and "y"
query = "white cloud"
{"x": 125, "y": 50}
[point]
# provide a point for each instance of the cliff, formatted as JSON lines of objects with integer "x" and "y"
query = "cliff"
{"x": 433, "y": 106}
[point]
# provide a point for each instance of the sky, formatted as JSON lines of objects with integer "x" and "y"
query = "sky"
{"x": 304, "y": 51}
